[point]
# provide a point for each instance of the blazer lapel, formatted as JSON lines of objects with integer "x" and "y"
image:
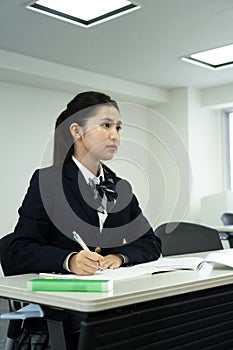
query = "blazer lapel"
{"x": 78, "y": 194}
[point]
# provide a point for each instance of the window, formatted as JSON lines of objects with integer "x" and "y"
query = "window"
{"x": 228, "y": 149}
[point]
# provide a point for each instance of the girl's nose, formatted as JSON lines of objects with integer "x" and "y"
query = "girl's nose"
{"x": 114, "y": 134}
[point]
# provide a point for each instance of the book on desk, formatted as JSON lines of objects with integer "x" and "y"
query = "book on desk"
{"x": 215, "y": 258}
{"x": 68, "y": 285}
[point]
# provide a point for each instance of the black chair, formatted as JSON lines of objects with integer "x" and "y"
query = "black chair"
{"x": 227, "y": 219}
{"x": 185, "y": 237}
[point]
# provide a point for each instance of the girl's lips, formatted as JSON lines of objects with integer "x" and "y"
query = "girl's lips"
{"x": 114, "y": 147}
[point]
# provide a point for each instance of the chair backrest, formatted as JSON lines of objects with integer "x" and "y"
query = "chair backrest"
{"x": 7, "y": 268}
{"x": 185, "y": 237}
{"x": 227, "y": 218}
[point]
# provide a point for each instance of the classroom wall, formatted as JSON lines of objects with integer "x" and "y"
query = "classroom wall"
{"x": 201, "y": 130}
{"x": 176, "y": 163}
{"x": 27, "y": 118}
{"x": 206, "y": 154}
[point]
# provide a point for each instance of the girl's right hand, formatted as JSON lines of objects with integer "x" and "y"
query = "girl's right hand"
{"x": 85, "y": 263}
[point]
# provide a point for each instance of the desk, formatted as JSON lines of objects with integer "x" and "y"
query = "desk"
{"x": 227, "y": 228}
{"x": 228, "y": 232}
{"x": 172, "y": 310}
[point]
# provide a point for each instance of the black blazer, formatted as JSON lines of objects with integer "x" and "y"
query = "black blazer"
{"x": 58, "y": 201}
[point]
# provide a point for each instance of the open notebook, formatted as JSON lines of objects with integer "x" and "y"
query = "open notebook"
{"x": 161, "y": 265}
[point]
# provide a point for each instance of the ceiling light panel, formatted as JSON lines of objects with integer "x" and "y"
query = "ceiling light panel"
{"x": 218, "y": 58}
{"x": 83, "y": 12}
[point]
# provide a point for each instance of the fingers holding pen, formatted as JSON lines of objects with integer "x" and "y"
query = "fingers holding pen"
{"x": 85, "y": 263}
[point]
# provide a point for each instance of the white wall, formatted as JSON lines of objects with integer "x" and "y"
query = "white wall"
{"x": 205, "y": 151}
{"x": 27, "y": 120}
{"x": 178, "y": 177}
{"x": 200, "y": 129}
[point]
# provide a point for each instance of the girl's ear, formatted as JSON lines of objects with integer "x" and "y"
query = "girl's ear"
{"x": 76, "y": 131}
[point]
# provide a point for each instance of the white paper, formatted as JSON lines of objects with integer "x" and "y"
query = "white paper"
{"x": 160, "y": 265}
{"x": 223, "y": 258}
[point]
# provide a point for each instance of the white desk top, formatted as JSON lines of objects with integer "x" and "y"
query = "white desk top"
{"x": 125, "y": 292}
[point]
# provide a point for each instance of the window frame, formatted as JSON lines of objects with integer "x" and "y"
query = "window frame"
{"x": 227, "y": 140}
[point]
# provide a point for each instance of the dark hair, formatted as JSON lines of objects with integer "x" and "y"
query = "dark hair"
{"x": 79, "y": 110}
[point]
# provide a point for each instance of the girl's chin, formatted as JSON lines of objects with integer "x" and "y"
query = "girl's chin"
{"x": 108, "y": 156}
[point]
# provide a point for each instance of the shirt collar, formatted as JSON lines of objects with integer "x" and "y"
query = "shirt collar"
{"x": 87, "y": 174}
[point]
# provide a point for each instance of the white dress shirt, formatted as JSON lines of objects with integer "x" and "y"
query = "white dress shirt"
{"x": 88, "y": 175}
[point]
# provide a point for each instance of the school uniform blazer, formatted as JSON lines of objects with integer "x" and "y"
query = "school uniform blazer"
{"x": 58, "y": 201}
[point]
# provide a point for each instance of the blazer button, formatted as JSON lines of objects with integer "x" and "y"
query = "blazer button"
{"x": 98, "y": 250}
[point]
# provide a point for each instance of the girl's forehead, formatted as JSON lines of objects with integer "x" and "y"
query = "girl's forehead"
{"x": 109, "y": 113}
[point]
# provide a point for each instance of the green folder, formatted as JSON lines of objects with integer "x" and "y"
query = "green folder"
{"x": 69, "y": 285}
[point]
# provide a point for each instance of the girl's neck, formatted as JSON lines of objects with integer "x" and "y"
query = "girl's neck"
{"x": 92, "y": 166}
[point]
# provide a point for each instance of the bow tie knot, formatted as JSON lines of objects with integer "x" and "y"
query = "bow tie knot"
{"x": 105, "y": 191}
{"x": 107, "y": 188}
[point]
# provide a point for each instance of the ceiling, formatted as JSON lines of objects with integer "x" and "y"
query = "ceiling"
{"x": 144, "y": 46}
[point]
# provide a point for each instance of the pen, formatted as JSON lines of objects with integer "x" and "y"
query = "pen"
{"x": 80, "y": 241}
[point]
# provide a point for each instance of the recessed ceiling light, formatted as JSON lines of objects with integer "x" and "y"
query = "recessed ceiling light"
{"x": 85, "y": 13}
{"x": 219, "y": 58}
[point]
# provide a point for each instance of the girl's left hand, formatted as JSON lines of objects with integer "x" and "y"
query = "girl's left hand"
{"x": 111, "y": 261}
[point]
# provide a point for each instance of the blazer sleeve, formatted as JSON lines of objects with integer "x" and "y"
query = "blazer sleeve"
{"x": 30, "y": 249}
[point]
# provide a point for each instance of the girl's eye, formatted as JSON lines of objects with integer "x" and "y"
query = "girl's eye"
{"x": 106, "y": 125}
